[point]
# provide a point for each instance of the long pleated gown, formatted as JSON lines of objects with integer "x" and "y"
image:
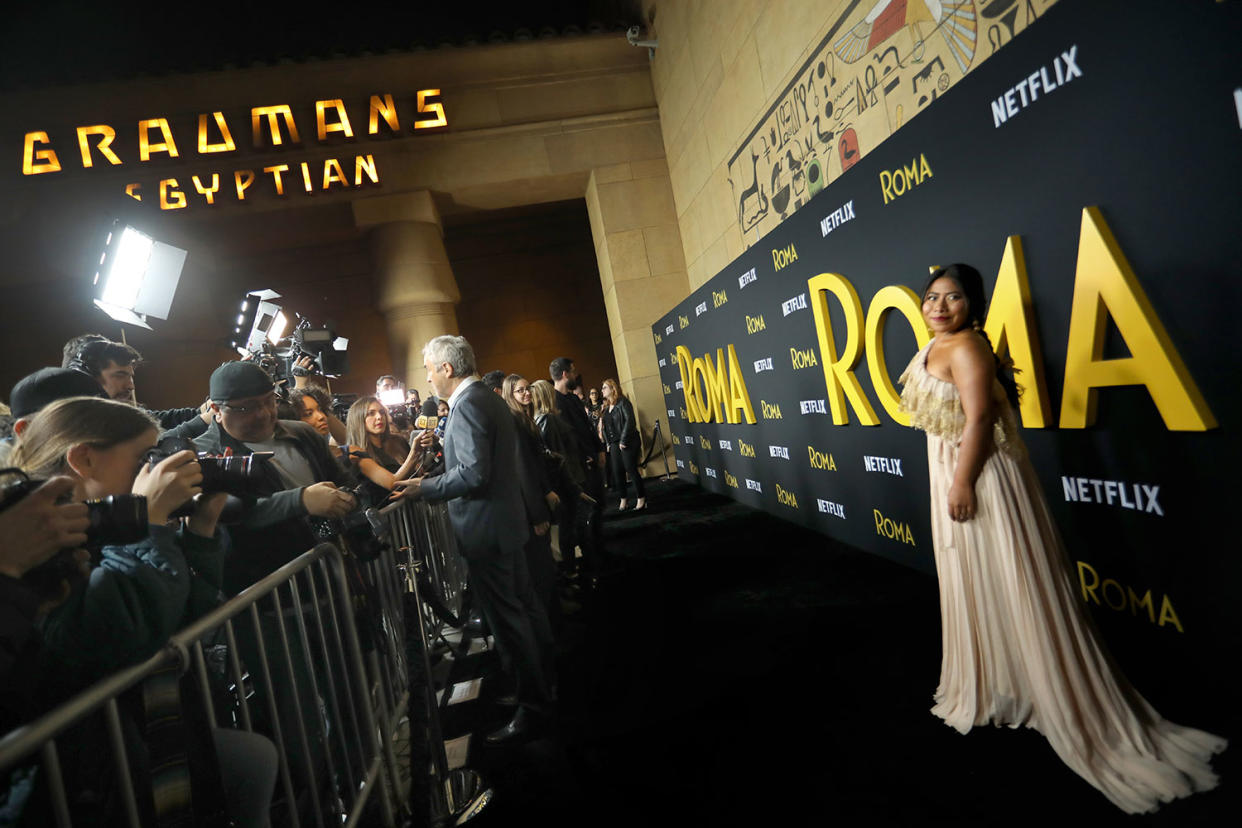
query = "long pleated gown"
{"x": 1019, "y": 647}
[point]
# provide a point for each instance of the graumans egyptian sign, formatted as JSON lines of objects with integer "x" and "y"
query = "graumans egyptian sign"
{"x": 1112, "y": 275}
{"x": 269, "y": 126}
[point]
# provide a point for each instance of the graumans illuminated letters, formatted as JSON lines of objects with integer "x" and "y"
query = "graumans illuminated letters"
{"x": 271, "y": 125}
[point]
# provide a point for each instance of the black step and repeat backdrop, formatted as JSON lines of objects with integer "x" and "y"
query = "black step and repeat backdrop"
{"x": 1092, "y": 171}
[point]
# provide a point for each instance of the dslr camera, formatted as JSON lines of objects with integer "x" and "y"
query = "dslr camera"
{"x": 240, "y": 475}
{"x": 114, "y": 520}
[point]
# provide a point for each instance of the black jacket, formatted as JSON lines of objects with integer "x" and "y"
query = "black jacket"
{"x": 574, "y": 414}
{"x": 274, "y": 528}
{"x": 620, "y": 426}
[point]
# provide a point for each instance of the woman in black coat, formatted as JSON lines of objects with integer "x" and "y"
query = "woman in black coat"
{"x": 621, "y": 434}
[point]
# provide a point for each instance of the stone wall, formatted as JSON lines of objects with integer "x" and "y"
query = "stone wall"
{"x": 764, "y": 102}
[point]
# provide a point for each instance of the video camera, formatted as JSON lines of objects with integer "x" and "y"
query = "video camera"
{"x": 279, "y": 359}
{"x": 114, "y": 520}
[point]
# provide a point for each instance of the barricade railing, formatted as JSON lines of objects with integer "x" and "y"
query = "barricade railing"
{"x": 316, "y": 699}
{"x": 323, "y": 647}
{"x": 424, "y": 551}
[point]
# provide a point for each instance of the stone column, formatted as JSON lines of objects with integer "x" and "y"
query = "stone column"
{"x": 643, "y": 275}
{"x": 414, "y": 284}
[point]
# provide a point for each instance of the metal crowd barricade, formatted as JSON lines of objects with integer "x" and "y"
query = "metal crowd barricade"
{"x": 325, "y": 712}
{"x": 424, "y": 550}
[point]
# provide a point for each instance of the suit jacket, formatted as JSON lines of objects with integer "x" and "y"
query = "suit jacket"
{"x": 574, "y": 413}
{"x": 482, "y": 481}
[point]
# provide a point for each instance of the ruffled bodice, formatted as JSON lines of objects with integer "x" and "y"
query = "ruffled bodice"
{"x": 935, "y": 406}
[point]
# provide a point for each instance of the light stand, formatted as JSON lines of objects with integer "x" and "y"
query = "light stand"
{"x": 657, "y": 437}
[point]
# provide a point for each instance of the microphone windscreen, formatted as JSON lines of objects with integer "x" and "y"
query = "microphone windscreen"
{"x": 430, "y": 408}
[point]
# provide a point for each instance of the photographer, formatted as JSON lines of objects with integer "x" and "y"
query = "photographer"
{"x": 34, "y": 391}
{"x": 300, "y": 480}
{"x": 32, "y": 531}
{"x": 125, "y": 608}
{"x": 136, "y": 596}
{"x": 112, "y": 365}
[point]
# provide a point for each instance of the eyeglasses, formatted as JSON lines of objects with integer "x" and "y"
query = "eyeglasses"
{"x": 267, "y": 402}
{"x": 521, "y": 390}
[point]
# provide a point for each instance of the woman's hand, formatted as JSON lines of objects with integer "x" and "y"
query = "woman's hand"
{"x": 553, "y": 500}
{"x": 207, "y": 509}
{"x": 962, "y": 504}
{"x": 173, "y": 481}
{"x": 425, "y": 438}
{"x": 541, "y": 529}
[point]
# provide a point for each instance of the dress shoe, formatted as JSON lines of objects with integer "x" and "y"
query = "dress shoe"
{"x": 641, "y": 504}
{"x": 523, "y": 727}
{"x": 476, "y": 626}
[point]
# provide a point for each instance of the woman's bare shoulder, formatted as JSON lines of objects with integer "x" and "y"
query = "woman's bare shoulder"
{"x": 968, "y": 349}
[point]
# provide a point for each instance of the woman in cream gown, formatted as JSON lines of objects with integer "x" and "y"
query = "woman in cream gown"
{"x": 1019, "y": 647}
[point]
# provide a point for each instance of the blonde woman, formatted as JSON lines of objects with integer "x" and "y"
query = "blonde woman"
{"x": 139, "y": 593}
{"x": 621, "y": 435}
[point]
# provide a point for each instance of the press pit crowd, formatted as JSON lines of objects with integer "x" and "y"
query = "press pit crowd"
{"x": 119, "y": 525}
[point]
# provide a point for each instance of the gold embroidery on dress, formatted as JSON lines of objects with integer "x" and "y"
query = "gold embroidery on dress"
{"x": 934, "y": 406}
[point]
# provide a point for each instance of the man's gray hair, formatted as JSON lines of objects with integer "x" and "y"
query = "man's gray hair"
{"x": 454, "y": 350}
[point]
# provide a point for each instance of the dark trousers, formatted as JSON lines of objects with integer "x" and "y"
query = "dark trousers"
{"x": 542, "y": 569}
{"x": 505, "y": 593}
{"x": 624, "y": 460}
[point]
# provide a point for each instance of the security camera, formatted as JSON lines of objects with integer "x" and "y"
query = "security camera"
{"x": 632, "y": 35}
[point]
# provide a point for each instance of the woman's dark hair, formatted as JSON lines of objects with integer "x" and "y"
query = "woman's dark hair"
{"x": 971, "y": 283}
{"x": 319, "y": 395}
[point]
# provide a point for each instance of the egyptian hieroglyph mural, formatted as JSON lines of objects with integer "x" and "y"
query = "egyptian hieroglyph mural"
{"x": 880, "y": 64}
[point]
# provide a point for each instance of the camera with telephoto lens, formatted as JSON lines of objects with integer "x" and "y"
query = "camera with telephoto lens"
{"x": 239, "y": 475}
{"x": 114, "y": 520}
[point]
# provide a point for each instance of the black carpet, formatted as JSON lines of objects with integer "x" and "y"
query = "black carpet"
{"x": 732, "y": 667}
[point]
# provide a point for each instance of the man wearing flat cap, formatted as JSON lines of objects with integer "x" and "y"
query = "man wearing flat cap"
{"x": 301, "y": 478}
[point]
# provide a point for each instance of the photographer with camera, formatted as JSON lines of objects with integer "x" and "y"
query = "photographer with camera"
{"x": 34, "y": 391}
{"x": 301, "y": 479}
{"x": 136, "y": 596}
{"x": 32, "y": 531}
{"x": 112, "y": 365}
{"x": 148, "y": 580}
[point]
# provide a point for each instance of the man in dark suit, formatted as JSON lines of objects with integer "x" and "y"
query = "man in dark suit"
{"x": 482, "y": 484}
{"x": 566, "y": 379}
